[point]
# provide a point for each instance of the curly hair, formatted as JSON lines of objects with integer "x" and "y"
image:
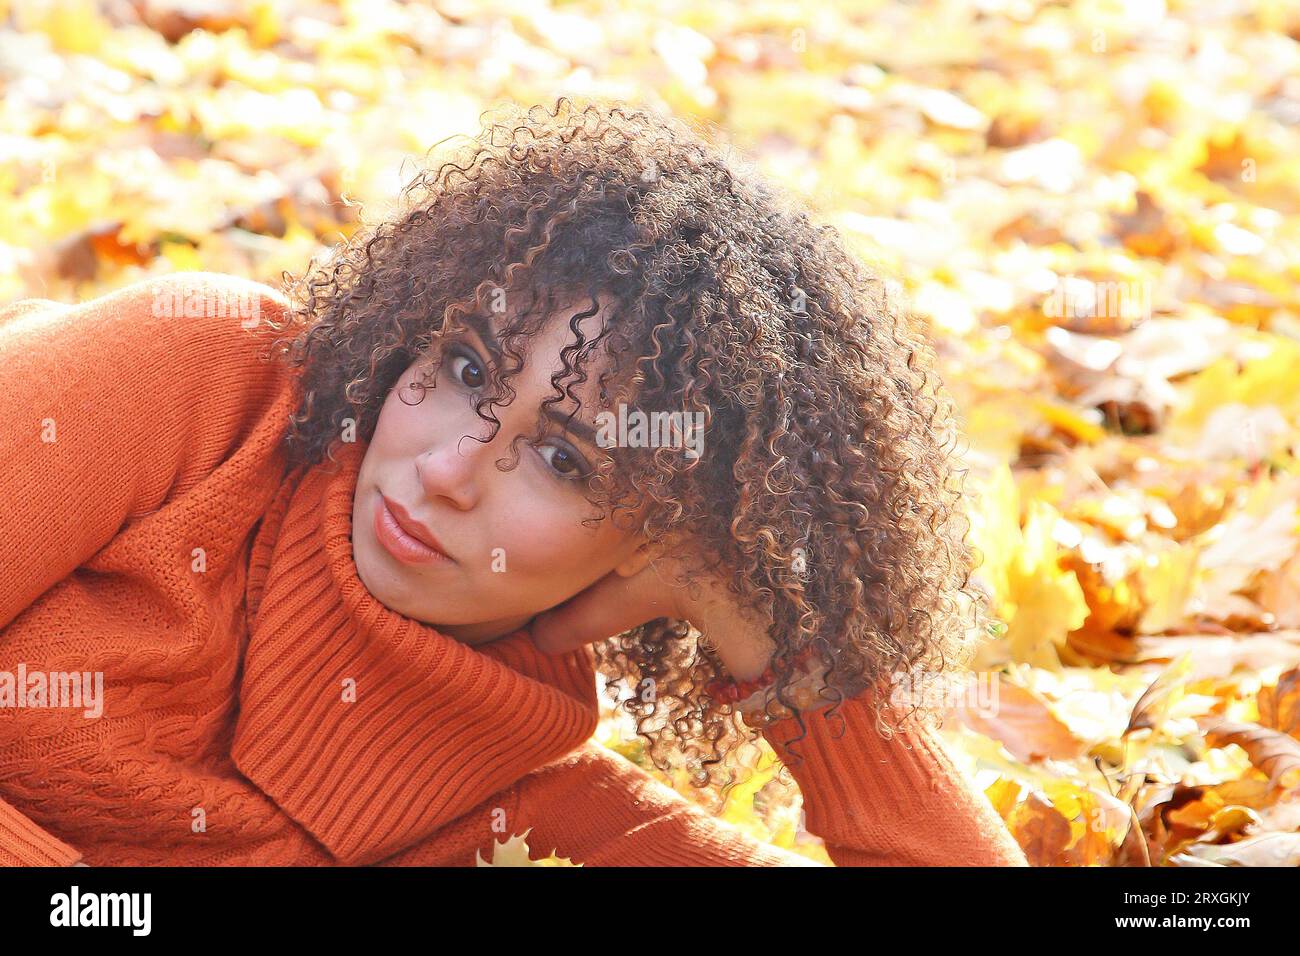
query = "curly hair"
{"x": 827, "y": 497}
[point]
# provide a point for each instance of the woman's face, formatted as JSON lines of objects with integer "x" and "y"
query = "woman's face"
{"x": 514, "y": 540}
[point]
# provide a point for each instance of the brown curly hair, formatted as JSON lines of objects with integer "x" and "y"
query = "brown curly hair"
{"x": 826, "y": 496}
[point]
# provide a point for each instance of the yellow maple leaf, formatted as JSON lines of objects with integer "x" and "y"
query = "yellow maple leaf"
{"x": 995, "y": 528}
{"x": 1268, "y": 379}
{"x": 1167, "y": 581}
{"x": 1048, "y": 600}
{"x": 514, "y": 852}
{"x": 739, "y": 808}
{"x": 1039, "y": 599}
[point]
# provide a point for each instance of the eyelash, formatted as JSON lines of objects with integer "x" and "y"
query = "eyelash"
{"x": 460, "y": 351}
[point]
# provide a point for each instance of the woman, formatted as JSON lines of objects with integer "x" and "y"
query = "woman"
{"x": 585, "y": 382}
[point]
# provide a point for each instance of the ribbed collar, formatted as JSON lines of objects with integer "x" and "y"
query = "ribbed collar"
{"x": 371, "y": 729}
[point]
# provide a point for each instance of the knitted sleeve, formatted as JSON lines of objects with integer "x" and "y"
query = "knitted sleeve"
{"x": 111, "y": 407}
{"x": 597, "y": 808}
{"x": 895, "y": 802}
{"x": 23, "y": 843}
{"x": 874, "y": 802}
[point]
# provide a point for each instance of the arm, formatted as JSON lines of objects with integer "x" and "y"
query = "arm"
{"x": 597, "y": 808}
{"x": 873, "y": 802}
{"x": 896, "y": 802}
{"x": 111, "y": 407}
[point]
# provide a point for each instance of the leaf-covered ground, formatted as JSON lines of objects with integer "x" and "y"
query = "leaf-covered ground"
{"x": 1095, "y": 206}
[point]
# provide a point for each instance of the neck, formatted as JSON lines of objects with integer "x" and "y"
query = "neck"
{"x": 485, "y": 632}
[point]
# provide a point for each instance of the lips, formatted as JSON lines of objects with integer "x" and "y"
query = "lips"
{"x": 412, "y": 527}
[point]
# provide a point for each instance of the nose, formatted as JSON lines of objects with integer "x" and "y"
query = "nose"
{"x": 449, "y": 470}
{"x": 452, "y": 468}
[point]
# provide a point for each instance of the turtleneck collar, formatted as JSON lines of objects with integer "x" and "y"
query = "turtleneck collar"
{"x": 371, "y": 729}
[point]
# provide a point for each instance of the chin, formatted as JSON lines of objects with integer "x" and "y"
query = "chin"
{"x": 373, "y": 575}
{"x": 366, "y": 578}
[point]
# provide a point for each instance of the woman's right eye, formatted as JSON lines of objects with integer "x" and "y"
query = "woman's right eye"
{"x": 465, "y": 368}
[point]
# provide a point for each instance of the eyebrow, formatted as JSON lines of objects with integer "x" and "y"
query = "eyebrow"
{"x": 483, "y": 326}
{"x": 582, "y": 429}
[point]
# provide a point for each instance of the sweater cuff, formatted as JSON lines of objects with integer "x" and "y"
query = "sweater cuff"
{"x": 901, "y": 801}
{"x": 23, "y": 843}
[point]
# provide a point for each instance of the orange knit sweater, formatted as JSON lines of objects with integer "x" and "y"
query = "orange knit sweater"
{"x": 259, "y": 706}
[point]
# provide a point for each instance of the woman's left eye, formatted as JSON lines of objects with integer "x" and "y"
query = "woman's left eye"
{"x": 565, "y": 462}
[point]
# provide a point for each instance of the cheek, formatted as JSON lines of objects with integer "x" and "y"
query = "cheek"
{"x": 543, "y": 539}
{"x": 407, "y": 413}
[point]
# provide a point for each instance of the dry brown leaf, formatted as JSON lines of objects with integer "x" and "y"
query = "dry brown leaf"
{"x": 1040, "y": 829}
{"x": 1150, "y": 708}
{"x": 1279, "y": 705}
{"x": 1266, "y": 849}
{"x": 1274, "y": 753}
{"x": 1024, "y": 724}
{"x": 1219, "y": 655}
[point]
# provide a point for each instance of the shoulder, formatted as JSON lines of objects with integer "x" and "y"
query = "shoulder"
{"x": 196, "y": 293}
{"x": 187, "y": 303}
{"x": 210, "y": 323}
{"x": 210, "y": 305}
